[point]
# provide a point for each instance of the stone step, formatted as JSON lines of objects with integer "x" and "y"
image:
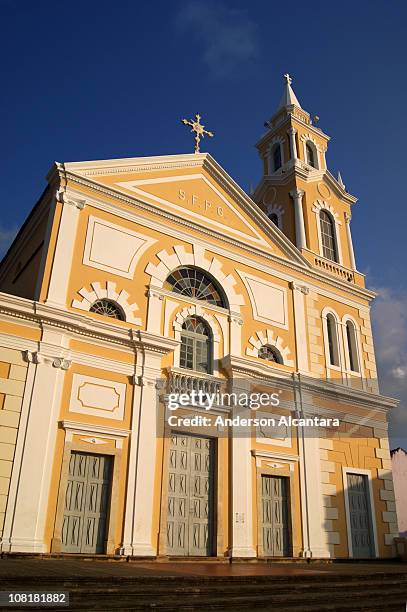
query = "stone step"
{"x": 352, "y": 597}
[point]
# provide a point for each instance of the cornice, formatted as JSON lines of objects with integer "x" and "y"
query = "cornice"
{"x": 325, "y": 388}
{"x": 298, "y": 169}
{"x": 79, "y": 325}
{"x": 289, "y": 117}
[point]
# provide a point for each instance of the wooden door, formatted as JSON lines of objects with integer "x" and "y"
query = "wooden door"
{"x": 275, "y": 516}
{"x": 360, "y": 516}
{"x": 190, "y": 514}
{"x": 86, "y": 503}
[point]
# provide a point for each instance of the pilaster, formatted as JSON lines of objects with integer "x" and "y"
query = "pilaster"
{"x": 24, "y": 529}
{"x": 64, "y": 248}
{"x": 139, "y": 539}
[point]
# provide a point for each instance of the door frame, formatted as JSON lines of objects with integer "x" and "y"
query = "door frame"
{"x": 279, "y": 473}
{"x": 90, "y": 449}
{"x": 217, "y": 535}
{"x": 372, "y": 512}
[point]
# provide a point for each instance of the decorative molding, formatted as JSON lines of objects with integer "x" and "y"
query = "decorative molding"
{"x": 267, "y": 337}
{"x": 198, "y": 311}
{"x": 89, "y": 428}
{"x": 180, "y": 257}
{"x": 97, "y": 397}
{"x": 295, "y": 286}
{"x": 114, "y": 248}
{"x": 62, "y": 197}
{"x": 319, "y": 205}
{"x": 268, "y": 300}
{"x": 108, "y": 292}
{"x": 38, "y": 358}
{"x": 278, "y": 210}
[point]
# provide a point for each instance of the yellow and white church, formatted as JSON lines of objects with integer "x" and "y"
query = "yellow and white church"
{"x": 132, "y": 278}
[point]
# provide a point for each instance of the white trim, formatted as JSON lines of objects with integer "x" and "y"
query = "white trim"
{"x": 197, "y": 311}
{"x": 275, "y": 142}
{"x": 100, "y": 430}
{"x": 267, "y": 338}
{"x": 359, "y": 355}
{"x": 368, "y": 473}
{"x": 246, "y": 278}
{"x": 263, "y": 454}
{"x": 278, "y": 210}
{"x": 108, "y": 292}
{"x": 255, "y": 236}
{"x": 317, "y": 206}
{"x": 144, "y": 243}
{"x": 180, "y": 257}
{"x": 302, "y": 268}
{"x": 329, "y": 366}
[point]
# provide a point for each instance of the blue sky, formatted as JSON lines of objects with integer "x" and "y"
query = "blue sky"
{"x": 93, "y": 80}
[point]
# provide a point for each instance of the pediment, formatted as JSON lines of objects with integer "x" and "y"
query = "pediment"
{"x": 197, "y": 190}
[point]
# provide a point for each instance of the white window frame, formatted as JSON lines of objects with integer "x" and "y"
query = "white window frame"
{"x": 278, "y": 210}
{"x": 215, "y": 340}
{"x": 359, "y": 353}
{"x": 276, "y": 142}
{"x": 317, "y": 207}
{"x": 329, "y": 365}
{"x": 362, "y": 472}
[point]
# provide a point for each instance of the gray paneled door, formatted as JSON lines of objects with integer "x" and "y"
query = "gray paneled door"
{"x": 86, "y": 503}
{"x": 275, "y": 516}
{"x": 190, "y": 515}
{"x": 360, "y": 516}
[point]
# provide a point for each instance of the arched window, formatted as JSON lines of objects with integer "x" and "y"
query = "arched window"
{"x": 276, "y": 157}
{"x": 310, "y": 155}
{"x": 108, "y": 308}
{"x": 195, "y": 283}
{"x": 196, "y": 346}
{"x": 352, "y": 346}
{"x": 270, "y": 353}
{"x": 327, "y": 225}
{"x": 274, "y": 218}
{"x": 332, "y": 340}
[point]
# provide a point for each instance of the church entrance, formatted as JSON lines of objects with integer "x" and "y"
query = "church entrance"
{"x": 360, "y": 516}
{"x": 275, "y": 515}
{"x": 87, "y": 501}
{"x": 190, "y": 518}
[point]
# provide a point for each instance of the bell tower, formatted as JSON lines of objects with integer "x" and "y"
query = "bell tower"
{"x": 298, "y": 193}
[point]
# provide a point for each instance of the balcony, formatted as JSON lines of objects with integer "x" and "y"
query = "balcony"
{"x": 185, "y": 381}
{"x": 334, "y": 268}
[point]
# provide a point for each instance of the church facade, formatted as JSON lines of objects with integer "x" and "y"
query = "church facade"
{"x": 134, "y": 279}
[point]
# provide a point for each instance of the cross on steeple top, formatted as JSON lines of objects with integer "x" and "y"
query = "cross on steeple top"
{"x": 288, "y": 78}
{"x": 199, "y": 130}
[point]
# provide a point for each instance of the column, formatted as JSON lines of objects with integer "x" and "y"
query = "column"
{"x": 64, "y": 248}
{"x": 242, "y": 483}
{"x": 138, "y": 539}
{"x": 31, "y": 479}
{"x": 293, "y": 143}
{"x": 297, "y": 195}
{"x": 301, "y": 340}
{"x": 348, "y": 218}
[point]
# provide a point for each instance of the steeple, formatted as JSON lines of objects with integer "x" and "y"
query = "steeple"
{"x": 298, "y": 192}
{"x": 288, "y": 98}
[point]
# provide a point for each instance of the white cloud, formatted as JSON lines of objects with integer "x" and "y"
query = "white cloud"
{"x": 227, "y": 35}
{"x": 389, "y": 316}
{"x": 6, "y": 238}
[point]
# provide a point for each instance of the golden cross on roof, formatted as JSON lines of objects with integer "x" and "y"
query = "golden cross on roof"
{"x": 199, "y": 130}
{"x": 288, "y": 78}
